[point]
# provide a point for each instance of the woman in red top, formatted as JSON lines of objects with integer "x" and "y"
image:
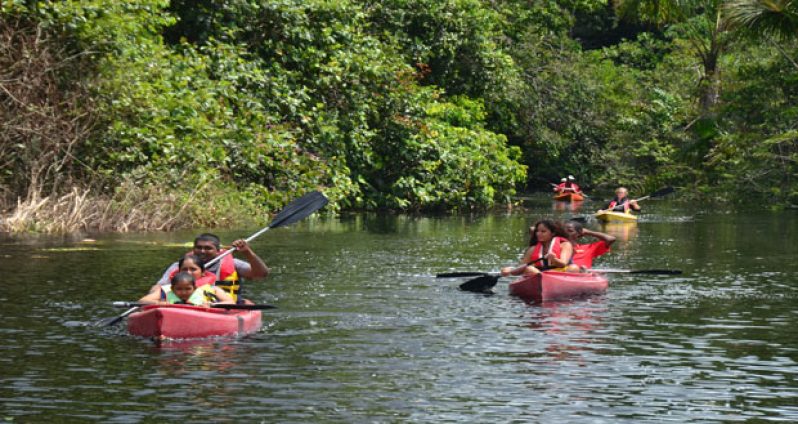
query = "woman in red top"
{"x": 549, "y": 249}
{"x": 585, "y": 253}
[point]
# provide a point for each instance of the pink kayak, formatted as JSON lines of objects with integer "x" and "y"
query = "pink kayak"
{"x": 553, "y": 285}
{"x": 187, "y": 321}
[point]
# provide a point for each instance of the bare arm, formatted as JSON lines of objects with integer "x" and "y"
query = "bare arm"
{"x": 222, "y": 297}
{"x": 525, "y": 260}
{"x": 151, "y": 298}
{"x": 258, "y": 267}
{"x": 566, "y": 250}
{"x": 606, "y": 238}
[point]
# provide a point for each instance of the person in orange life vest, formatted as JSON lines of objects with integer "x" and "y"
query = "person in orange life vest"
{"x": 571, "y": 185}
{"x": 190, "y": 276}
{"x": 621, "y": 202}
{"x": 585, "y": 253}
{"x": 549, "y": 242}
{"x": 229, "y": 270}
{"x": 559, "y": 188}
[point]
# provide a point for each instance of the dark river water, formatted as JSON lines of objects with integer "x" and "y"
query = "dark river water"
{"x": 364, "y": 332}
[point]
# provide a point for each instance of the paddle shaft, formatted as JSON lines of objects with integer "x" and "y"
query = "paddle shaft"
{"x": 457, "y": 274}
{"x": 243, "y": 306}
{"x": 294, "y": 211}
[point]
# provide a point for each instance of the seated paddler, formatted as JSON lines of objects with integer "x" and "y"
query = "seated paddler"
{"x": 549, "y": 250}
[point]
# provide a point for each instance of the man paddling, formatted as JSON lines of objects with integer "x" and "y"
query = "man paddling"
{"x": 229, "y": 271}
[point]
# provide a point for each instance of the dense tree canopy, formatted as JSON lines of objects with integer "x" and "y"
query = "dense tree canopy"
{"x": 401, "y": 104}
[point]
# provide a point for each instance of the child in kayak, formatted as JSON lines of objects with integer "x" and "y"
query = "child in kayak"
{"x": 190, "y": 285}
{"x": 621, "y": 202}
{"x": 549, "y": 249}
{"x": 585, "y": 253}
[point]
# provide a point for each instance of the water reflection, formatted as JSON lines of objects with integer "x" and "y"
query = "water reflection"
{"x": 561, "y": 206}
{"x": 623, "y": 231}
{"x": 569, "y": 325}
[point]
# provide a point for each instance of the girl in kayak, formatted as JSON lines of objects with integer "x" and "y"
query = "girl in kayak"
{"x": 585, "y": 253}
{"x": 191, "y": 285}
{"x": 621, "y": 202}
{"x": 549, "y": 249}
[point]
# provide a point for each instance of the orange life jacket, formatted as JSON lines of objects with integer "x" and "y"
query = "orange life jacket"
{"x": 227, "y": 277}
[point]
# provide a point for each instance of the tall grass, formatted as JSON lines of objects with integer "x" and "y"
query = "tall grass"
{"x": 132, "y": 208}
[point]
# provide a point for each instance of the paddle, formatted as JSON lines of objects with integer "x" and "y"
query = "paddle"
{"x": 638, "y": 271}
{"x": 107, "y": 322}
{"x": 244, "y": 306}
{"x": 291, "y": 213}
{"x": 659, "y": 193}
{"x": 484, "y": 281}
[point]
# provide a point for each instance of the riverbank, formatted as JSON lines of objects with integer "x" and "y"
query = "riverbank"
{"x": 131, "y": 208}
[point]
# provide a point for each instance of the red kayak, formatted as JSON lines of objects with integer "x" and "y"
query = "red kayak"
{"x": 553, "y": 285}
{"x": 187, "y": 321}
{"x": 569, "y": 196}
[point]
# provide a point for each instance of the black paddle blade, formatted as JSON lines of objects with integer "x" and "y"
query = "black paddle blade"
{"x": 481, "y": 284}
{"x": 299, "y": 209}
{"x": 460, "y": 274}
{"x": 107, "y": 322}
{"x": 662, "y": 192}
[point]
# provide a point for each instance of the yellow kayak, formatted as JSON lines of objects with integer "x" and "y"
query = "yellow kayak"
{"x": 609, "y": 216}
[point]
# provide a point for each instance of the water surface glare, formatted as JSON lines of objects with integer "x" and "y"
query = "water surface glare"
{"x": 366, "y": 333}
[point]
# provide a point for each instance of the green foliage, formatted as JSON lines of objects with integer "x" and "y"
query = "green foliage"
{"x": 407, "y": 104}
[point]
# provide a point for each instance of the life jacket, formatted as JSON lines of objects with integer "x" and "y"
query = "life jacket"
{"x": 573, "y": 186}
{"x": 554, "y": 247}
{"x": 615, "y": 203}
{"x": 201, "y": 296}
{"x": 206, "y": 278}
{"x": 227, "y": 277}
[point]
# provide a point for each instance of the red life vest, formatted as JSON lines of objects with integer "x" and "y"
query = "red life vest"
{"x": 206, "y": 278}
{"x": 624, "y": 203}
{"x": 554, "y": 248}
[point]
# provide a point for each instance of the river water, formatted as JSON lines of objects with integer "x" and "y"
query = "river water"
{"x": 364, "y": 331}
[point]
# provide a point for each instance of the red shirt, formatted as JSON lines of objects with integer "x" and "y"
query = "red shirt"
{"x": 585, "y": 253}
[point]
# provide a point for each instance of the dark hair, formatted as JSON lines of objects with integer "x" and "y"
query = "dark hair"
{"x": 553, "y": 226}
{"x": 194, "y": 258}
{"x": 213, "y": 238}
{"x": 183, "y": 276}
{"x": 576, "y": 224}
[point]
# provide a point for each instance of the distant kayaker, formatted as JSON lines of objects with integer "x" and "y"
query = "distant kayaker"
{"x": 228, "y": 271}
{"x": 621, "y": 202}
{"x": 549, "y": 249}
{"x": 568, "y": 185}
{"x": 585, "y": 253}
{"x": 183, "y": 287}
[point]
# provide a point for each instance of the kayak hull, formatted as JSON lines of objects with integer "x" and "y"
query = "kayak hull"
{"x": 609, "y": 216}
{"x": 553, "y": 285}
{"x": 569, "y": 197}
{"x": 187, "y": 322}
